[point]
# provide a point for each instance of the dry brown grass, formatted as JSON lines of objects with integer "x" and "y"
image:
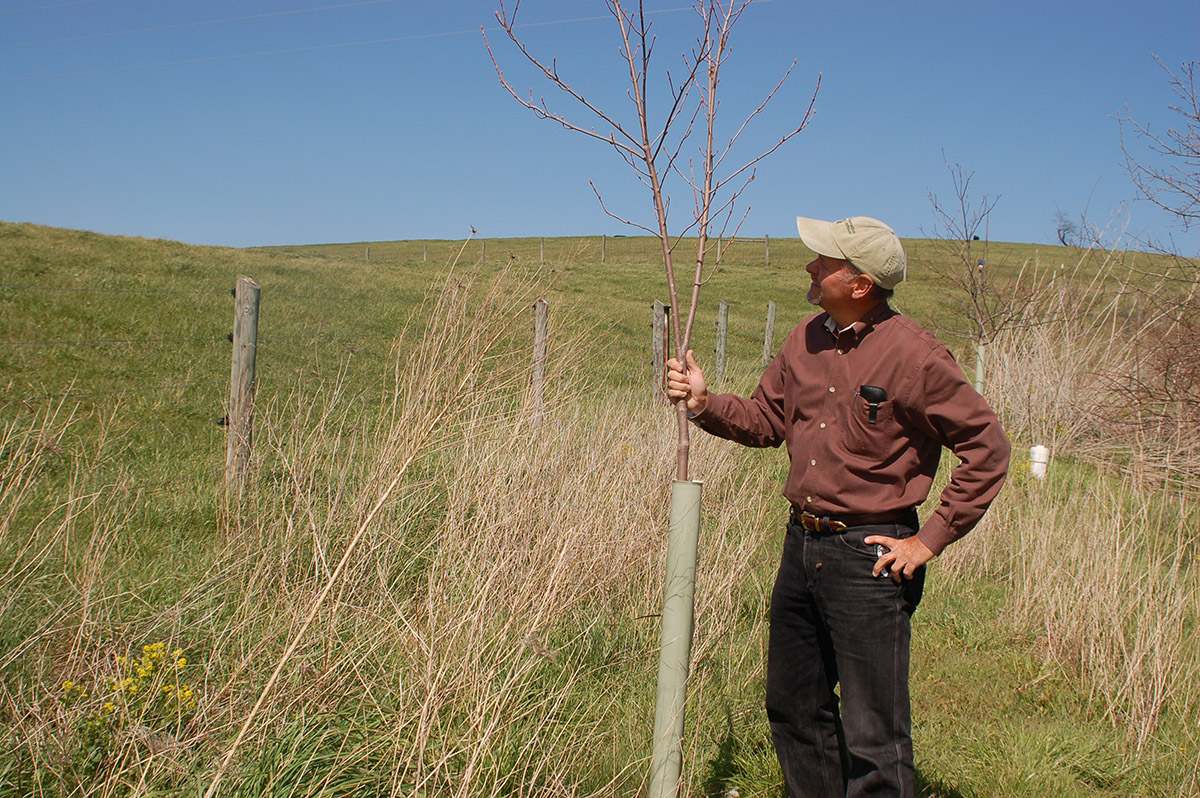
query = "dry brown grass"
{"x": 430, "y": 597}
{"x": 1101, "y": 557}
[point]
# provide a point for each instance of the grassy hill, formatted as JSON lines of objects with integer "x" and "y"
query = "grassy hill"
{"x": 491, "y": 631}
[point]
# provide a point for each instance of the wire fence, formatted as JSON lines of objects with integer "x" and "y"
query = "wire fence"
{"x": 146, "y": 365}
{"x": 143, "y": 372}
{"x": 601, "y": 249}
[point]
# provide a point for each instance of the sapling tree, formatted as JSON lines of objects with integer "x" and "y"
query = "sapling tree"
{"x": 986, "y": 307}
{"x": 676, "y": 145}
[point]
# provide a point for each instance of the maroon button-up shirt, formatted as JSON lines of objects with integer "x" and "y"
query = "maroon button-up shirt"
{"x": 841, "y": 464}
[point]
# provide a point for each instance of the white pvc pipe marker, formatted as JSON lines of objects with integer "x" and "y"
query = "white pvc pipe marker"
{"x": 1039, "y": 458}
{"x": 679, "y": 590}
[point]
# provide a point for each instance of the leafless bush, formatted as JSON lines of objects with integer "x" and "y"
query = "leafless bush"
{"x": 1101, "y": 364}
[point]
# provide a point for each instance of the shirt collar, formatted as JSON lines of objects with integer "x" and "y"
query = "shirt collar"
{"x": 863, "y": 325}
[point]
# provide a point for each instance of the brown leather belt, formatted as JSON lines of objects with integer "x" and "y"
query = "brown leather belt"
{"x": 829, "y": 524}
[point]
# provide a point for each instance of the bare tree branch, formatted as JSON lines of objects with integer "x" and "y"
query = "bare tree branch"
{"x": 620, "y": 219}
{"x": 1172, "y": 182}
{"x": 551, "y": 74}
{"x": 808, "y": 115}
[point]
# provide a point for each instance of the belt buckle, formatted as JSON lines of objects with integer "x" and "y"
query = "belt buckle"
{"x": 815, "y": 523}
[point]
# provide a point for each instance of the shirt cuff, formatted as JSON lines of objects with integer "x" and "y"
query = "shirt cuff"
{"x": 705, "y": 414}
{"x": 936, "y": 535}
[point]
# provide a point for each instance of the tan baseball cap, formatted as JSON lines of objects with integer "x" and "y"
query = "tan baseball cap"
{"x": 867, "y": 243}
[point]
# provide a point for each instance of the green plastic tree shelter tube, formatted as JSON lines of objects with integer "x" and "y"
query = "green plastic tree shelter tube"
{"x": 679, "y": 590}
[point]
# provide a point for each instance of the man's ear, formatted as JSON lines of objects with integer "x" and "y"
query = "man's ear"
{"x": 863, "y": 285}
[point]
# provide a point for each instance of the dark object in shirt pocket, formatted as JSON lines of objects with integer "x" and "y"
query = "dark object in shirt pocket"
{"x": 875, "y": 396}
{"x": 870, "y": 428}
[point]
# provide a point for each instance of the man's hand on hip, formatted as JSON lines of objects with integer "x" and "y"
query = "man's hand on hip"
{"x": 903, "y": 556}
{"x": 687, "y": 384}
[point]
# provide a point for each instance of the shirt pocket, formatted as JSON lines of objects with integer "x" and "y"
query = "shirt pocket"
{"x": 862, "y": 437}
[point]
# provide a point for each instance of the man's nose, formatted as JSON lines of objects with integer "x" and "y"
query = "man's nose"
{"x": 812, "y": 267}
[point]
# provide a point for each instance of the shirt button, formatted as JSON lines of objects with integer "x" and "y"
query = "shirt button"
{"x": 808, "y": 499}
{"x": 812, "y": 462}
{"x": 841, "y": 351}
{"x": 832, "y": 389}
{"x": 822, "y": 425}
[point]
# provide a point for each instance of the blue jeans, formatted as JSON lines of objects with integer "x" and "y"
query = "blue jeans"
{"x": 833, "y": 623}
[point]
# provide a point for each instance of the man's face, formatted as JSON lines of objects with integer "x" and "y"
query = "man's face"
{"x": 832, "y": 281}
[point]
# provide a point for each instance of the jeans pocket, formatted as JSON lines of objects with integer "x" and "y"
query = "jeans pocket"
{"x": 854, "y": 542}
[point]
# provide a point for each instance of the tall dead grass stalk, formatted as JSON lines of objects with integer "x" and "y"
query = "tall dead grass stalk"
{"x": 442, "y": 373}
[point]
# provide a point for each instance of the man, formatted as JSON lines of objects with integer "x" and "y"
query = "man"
{"x": 865, "y": 399}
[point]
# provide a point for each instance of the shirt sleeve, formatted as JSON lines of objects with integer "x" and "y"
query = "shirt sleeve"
{"x": 950, "y": 410}
{"x": 757, "y": 421}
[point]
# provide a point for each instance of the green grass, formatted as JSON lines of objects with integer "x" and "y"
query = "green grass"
{"x": 127, "y": 337}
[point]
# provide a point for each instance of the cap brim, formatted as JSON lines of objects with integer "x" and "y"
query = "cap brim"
{"x": 817, "y": 235}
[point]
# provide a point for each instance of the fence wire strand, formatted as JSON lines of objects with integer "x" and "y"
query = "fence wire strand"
{"x": 110, "y": 341}
{"x": 115, "y": 392}
{"x": 89, "y": 289}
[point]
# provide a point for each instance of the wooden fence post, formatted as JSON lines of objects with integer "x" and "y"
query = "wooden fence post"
{"x": 538, "y": 381}
{"x": 767, "y": 248}
{"x": 543, "y": 249}
{"x": 660, "y": 350}
{"x": 603, "y": 247}
{"x": 769, "y": 337}
{"x": 427, "y": 253}
{"x": 483, "y": 250}
{"x": 722, "y": 332}
{"x": 241, "y": 380}
{"x": 368, "y": 253}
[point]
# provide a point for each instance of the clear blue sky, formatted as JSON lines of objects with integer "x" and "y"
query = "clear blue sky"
{"x": 314, "y": 121}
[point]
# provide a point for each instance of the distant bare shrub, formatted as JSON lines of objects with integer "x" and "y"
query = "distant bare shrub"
{"x": 1104, "y": 364}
